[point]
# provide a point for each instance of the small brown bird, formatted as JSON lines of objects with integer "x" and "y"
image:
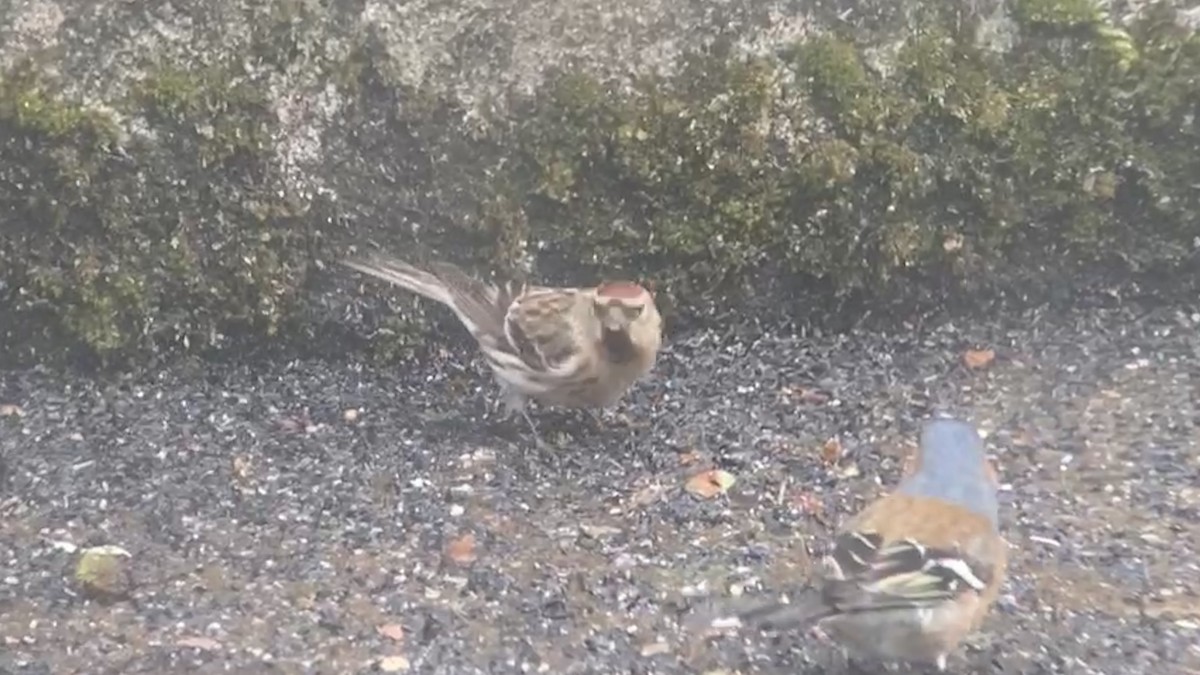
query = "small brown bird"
{"x": 569, "y": 347}
{"x": 917, "y": 570}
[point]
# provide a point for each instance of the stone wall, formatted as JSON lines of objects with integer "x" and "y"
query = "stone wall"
{"x": 173, "y": 175}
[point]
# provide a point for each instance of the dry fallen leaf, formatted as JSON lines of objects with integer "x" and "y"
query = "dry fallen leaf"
{"x": 391, "y": 631}
{"x": 297, "y": 423}
{"x": 462, "y": 550}
{"x": 599, "y": 532}
{"x": 689, "y": 457}
{"x": 709, "y": 484}
{"x": 655, "y": 648}
{"x": 831, "y": 451}
{"x": 241, "y": 467}
{"x": 992, "y": 469}
{"x": 393, "y": 664}
{"x": 978, "y": 358}
{"x": 199, "y": 642}
{"x": 849, "y": 470}
{"x": 805, "y": 395}
{"x": 11, "y": 410}
{"x": 808, "y": 503}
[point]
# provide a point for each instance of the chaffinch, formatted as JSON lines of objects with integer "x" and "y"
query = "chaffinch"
{"x": 917, "y": 570}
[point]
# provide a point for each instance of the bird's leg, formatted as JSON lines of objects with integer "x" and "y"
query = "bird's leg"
{"x": 597, "y": 417}
{"x": 611, "y": 418}
{"x": 515, "y": 403}
{"x": 537, "y": 437}
{"x": 853, "y": 666}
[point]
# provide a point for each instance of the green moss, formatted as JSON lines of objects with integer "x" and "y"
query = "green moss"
{"x": 230, "y": 111}
{"x": 836, "y": 79}
{"x": 882, "y": 165}
{"x": 26, "y": 103}
{"x": 1064, "y": 13}
{"x": 177, "y": 241}
{"x": 852, "y": 176}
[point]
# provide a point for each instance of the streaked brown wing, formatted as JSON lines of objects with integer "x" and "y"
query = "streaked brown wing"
{"x": 540, "y": 327}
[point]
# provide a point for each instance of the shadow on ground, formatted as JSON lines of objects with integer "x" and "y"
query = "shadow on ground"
{"x": 272, "y": 531}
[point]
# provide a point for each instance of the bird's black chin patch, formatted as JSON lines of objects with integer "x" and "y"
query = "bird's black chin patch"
{"x": 617, "y": 345}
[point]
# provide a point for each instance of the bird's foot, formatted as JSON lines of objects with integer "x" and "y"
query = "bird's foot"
{"x": 515, "y": 405}
{"x": 605, "y": 418}
{"x": 537, "y": 436}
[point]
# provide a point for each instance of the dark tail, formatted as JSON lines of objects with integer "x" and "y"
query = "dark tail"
{"x": 803, "y": 612}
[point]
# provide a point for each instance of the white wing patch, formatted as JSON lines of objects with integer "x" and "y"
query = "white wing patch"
{"x": 960, "y": 568}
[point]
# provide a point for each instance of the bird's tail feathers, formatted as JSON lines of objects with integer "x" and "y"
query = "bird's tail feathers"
{"x": 800, "y": 613}
{"x": 404, "y": 275}
{"x": 803, "y": 611}
{"x": 473, "y": 301}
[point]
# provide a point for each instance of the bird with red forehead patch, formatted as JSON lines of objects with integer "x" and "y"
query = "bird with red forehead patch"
{"x": 917, "y": 570}
{"x": 561, "y": 346}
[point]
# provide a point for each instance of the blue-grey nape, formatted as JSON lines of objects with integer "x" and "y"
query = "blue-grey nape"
{"x": 952, "y": 437}
{"x": 953, "y": 468}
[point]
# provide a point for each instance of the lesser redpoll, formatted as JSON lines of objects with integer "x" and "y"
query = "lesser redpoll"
{"x": 570, "y": 347}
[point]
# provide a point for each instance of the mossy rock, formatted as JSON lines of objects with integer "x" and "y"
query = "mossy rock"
{"x": 122, "y": 245}
{"x": 102, "y": 572}
{"x": 911, "y": 165}
{"x": 955, "y": 168}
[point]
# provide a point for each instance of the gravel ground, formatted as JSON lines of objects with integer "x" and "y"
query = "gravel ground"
{"x": 270, "y": 530}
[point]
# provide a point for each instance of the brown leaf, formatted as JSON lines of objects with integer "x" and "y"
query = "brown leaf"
{"x": 241, "y": 467}
{"x": 831, "y": 451}
{"x": 978, "y": 358}
{"x": 849, "y": 470}
{"x": 297, "y": 423}
{"x": 655, "y": 648}
{"x": 808, "y": 503}
{"x": 199, "y": 642}
{"x": 462, "y": 550}
{"x": 709, "y": 484}
{"x": 992, "y": 470}
{"x": 805, "y": 395}
{"x": 391, "y": 631}
{"x": 599, "y": 532}
{"x": 814, "y": 396}
{"x": 394, "y": 664}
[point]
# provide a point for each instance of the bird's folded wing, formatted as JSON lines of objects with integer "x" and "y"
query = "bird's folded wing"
{"x": 875, "y": 576}
{"x": 541, "y": 325}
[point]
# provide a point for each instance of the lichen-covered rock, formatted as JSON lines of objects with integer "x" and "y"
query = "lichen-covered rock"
{"x": 103, "y": 572}
{"x": 175, "y": 228}
{"x": 176, "y": 175}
